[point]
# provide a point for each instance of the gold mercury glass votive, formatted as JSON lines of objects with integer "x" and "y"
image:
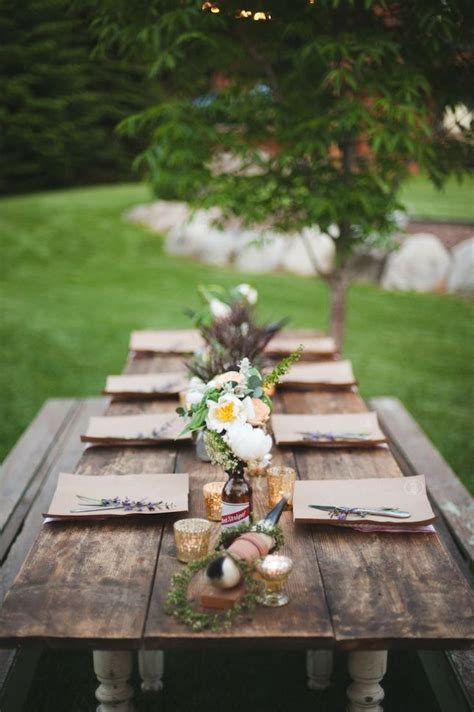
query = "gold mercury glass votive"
{"x": 274, "y": 570}
{"x": 192, "y": 538}
{"x": 280, "y": 483}
{"x": 212, "y": 492}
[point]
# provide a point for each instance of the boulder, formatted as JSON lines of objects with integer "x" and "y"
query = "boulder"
{"x": 461, "y": 273}
{"x": 421, "y": 264}
{"x": 309, "y": 253}
{"x": 199, "y": 237}
{"x": 366, "y": 265}
{"x": 259, "y": 251}
{"x": 159, "y": 216}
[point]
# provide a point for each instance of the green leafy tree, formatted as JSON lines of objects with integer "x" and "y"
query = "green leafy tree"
{"x": 58, "y": 106}
{"x": 322, "y": 107}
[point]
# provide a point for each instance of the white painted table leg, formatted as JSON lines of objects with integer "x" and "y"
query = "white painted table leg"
{"x": 151, "y": 664}
{"x": 366, "y": 669}
{"x": 319, "y": 668}
{"x": 113, "y": 669}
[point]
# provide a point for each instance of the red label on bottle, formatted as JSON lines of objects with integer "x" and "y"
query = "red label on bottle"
{"x": 232, "y": 515}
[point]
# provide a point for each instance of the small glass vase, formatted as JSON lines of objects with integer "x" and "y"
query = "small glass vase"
{"x": 201, "y": 450}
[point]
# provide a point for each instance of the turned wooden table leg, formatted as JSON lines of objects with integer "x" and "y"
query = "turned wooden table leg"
{"x": 366, "y": 669}
{"x": 319, "y": 668}
{"x": 151, "y": 664}
{"x": 113, "y": 669}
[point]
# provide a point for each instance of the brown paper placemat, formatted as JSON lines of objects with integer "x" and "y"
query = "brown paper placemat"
{"x": 340, "y": 430}
{"x": 314, "y": 346}
{"x": 170, "y": 489}
{"x": 135, "y": 429}
{"x": 405, "y": 493}
{"x": 326, "y": 373}
{"x": 147, "y": 385}
{"x": 179, "y": 341}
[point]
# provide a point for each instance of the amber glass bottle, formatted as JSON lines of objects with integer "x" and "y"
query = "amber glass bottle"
{"x": 236, "y": 500}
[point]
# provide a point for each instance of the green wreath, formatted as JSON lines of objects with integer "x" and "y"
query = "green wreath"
{"x": 178, "y": 605}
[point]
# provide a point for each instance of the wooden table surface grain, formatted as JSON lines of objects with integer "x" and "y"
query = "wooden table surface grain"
{"x": 102, "y": 585}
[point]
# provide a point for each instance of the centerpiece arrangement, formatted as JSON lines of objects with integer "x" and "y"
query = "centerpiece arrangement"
{"x": 228, "y": 326}
{"x": 231, "y": 412}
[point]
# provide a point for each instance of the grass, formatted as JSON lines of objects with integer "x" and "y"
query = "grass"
{"x": 76, "y": 279}
{"x": 456, "y": 200}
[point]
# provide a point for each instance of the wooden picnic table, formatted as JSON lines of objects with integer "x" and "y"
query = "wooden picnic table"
{"x": 102, "y": 585}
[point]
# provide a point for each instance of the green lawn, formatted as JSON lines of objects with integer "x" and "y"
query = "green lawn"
{"x": 77, "y": 279}
{"x": 456, "y": 200}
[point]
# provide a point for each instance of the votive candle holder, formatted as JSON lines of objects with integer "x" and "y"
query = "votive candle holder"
{"x": 212, "y": 492}
{"x": 192, "y": 538}
{"x": 274, "y": 570}
{"x": 280, "y": 483}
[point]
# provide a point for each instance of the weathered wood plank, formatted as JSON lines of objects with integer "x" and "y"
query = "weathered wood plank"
{"x": 445, "y": 488}
{"x": 20, "y": 467}
{"x": 383, "y": 590}
{"x": 17, "y": 666}
{"x": 88, "y": 584}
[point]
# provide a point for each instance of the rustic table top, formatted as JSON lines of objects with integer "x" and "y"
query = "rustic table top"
{"x": 103, "y": 584}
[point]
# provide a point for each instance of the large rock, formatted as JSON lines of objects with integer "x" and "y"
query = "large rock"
{"x": 160, "y": 216}
{"x": 260, "y": 251}
{"x": 421, "y": 264}
{"x": 199, "y": 237}
{"x": 310, "y": 253}
{"x": 461, "y": 273}
{"x": 366, "y": 265}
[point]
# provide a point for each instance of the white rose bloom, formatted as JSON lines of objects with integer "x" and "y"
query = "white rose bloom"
{"x": 193, "y": 398}
{"x": 249, "y": 293}
{"x": 249, "y": 443}
{"x": 219, "y": 309}
{"x": 228, "y": 411}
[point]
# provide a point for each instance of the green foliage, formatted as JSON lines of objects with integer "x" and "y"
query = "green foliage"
{"x": 347, "y": 92}
{"x": 59, "y": 106}
{"x": 283, "y": 367}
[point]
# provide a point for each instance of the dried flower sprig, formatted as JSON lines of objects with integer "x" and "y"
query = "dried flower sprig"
{"x": 90, "y": 504}
{"x": 317, "y": 436}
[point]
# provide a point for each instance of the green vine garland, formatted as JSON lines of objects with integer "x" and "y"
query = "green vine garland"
{"x": 178, "y": 605}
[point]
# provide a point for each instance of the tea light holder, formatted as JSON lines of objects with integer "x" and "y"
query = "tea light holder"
{"x": 256, "y": 469}
{"x": 212, "y": 492}
{"x": 280, "y": 483}
{"x": 274, "y": 570}
{"x": 192, "y": 538}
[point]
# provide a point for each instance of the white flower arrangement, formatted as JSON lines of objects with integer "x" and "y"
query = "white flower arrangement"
{"x": 233, "y": 410}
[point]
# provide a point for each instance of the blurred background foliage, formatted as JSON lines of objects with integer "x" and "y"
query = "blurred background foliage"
{"x": 59, "y": 104}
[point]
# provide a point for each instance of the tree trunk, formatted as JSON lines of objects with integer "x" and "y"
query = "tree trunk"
{"x": 338, "y": 291}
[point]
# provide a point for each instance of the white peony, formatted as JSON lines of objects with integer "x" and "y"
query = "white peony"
{"x": 228, "y": 411}
{"x": 249, "y": 293}
{"x": 195, "y": 392}
{"x": 219, "y": 309}
{"x": 249, "y": 443}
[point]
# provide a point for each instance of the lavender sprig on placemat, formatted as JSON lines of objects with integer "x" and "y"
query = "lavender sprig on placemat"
{"x": 90, "y": 504}
{"x": 317, "y": 436}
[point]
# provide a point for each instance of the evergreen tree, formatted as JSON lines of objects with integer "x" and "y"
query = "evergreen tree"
{"x": 58, "y": 105}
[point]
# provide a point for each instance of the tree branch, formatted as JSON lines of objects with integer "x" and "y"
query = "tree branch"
{"x": 255, "y": 53}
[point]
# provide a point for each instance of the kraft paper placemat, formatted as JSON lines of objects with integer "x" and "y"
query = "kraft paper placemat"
{"x": 135, "y": 429}
{"x": 165, "y": 493}
{"x": 405, "y": 493}
{"x": 179, "y": 341}
{"x": 326, "y": 373}
{"x": 146, "y": 385}
{"x": 341, "y": 430}
{"x": 314, "y": 346}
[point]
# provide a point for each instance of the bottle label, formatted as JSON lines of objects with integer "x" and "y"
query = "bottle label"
{"x": 232, "y": 515}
